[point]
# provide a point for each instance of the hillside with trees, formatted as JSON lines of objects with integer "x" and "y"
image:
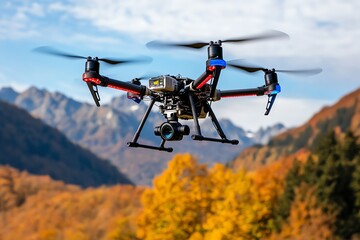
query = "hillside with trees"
{"x": 39, "y": 208}
{"x": 304, "y": 196}
{"x": 29, "y": 144}
{"x": 340, "y": 117}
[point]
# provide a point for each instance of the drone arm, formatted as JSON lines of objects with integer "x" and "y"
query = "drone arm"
{"x": 260, "y": 91}
{"x": 202, "y": 80}
{"x": 125, "y": 86}
{"x": 213, "y": 69}
{"x": 271, "y": 90}
{"x": 103, "y": 81}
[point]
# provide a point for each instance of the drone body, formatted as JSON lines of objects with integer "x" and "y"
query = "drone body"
{"x": 180, "y": 97}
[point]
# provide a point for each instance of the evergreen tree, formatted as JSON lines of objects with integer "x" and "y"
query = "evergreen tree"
{"x": 336, "y": 178}
{"x": 282, "y": 208}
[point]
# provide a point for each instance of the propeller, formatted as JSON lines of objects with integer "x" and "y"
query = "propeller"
{"x": 55, "y": 52}
{"x": 197, "y": 45}
{"x": 147, "y": 76}
{"x": 252, "y": 69}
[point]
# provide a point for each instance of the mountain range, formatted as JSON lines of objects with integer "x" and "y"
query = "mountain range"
{"x": 106, "y": 130}
{"x": 29, "y": 144}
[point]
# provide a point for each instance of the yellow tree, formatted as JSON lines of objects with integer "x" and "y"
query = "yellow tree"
{"x": 177, "y": 206}
{"x": 189, "y": 201}
{"x": 243, "y": 202}
{"x": 229, "y": 198}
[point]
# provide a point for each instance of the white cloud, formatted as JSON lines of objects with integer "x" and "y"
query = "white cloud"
{"x": 16, "y": 22}
{"x": 327, "y": 29}
{"x": 249, "y": 112}
{"x": 316, "y": 28}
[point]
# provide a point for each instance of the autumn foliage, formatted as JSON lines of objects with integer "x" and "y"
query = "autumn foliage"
{"x": 40, "y": 208}
{"x": 307, "y": 195}
{"x": 190, "y": 201}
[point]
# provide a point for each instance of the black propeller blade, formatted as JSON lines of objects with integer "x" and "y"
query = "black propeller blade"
{"x": 147, "y": 76}
{"x": 252, "y": 69}
{"x": 55, "y": 52}
{"x": 197, "y": 45}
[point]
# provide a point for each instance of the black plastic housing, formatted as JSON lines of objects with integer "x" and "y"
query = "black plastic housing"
{"x": 172, "y": 131}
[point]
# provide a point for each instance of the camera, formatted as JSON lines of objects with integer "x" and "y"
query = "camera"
{"x": 172, "y": 131}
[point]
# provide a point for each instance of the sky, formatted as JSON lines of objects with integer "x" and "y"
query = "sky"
{"x": 323, "y": 33}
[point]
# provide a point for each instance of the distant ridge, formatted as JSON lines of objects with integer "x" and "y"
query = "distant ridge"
{"x": 343, "y": 115}
{"x": 29, "y": 144}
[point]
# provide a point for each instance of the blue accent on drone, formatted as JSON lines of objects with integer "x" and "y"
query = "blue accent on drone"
{"x": 217, "y": 62}
{"x": 277, "y": 90}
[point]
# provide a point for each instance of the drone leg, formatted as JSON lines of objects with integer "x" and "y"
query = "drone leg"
{"x": 193, "y": 110}
{"x": 217, "y": 126}
{"x": 134, "y": 142}
{"x": 216, "y": 123}
{"x": 143, "y": 120}
{"x": 270, "y": 102}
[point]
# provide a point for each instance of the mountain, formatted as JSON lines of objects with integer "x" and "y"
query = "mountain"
{"x": 29, "y": 144}
{"x": 343, "y": 115}
{"x": 106, "y": 130}
{"x": 8, "y": 94}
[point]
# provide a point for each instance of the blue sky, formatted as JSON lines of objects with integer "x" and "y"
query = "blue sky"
{"x": 322, "y": 34}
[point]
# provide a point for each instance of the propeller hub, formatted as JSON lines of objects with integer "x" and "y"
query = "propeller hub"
{"x": 215, "y": 51}
{"x": 270, "y": 77}
{"x": 92, "y": 65}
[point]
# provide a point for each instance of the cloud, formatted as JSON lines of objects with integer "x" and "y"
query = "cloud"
{"x": 16, "y": 20}
{"x": 315, "y": 27}
{"x": 249, "y": 112}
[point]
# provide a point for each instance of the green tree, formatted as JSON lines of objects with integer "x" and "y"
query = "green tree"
{"x": 334, "y": 175}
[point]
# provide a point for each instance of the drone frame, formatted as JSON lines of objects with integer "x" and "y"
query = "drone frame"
{"x": 193, "y": 92}
{"x": 214, "y": 66}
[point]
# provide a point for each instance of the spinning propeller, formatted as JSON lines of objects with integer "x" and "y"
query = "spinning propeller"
{"x": 271, "y": 80}
{"x": 112, "y": 61}
{"x": 197, "y": 45}
{"x": 252, "y": 69}
{"x": 92, "y": 65}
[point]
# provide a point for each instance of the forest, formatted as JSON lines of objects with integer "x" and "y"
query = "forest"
{"x": 311, "y": 194}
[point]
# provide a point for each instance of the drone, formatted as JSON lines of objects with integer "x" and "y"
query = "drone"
{"x": 182, "y": 98}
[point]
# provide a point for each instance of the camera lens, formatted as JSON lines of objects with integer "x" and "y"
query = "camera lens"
{"x": 171, "y": 131}
{"x": 167, "y": 131}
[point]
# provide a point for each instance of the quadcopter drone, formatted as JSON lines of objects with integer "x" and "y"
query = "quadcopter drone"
{"x": 180, "y": 97}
